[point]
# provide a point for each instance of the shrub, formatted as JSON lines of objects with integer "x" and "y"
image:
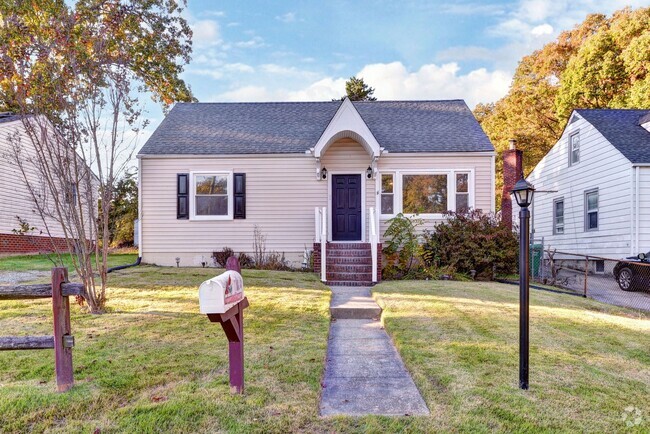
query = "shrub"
{"x": 275, "y": 261}
{"x": 222, "y": 256}
{"x": 402, "y": 248}
{"x": 245, "y": 261}
{"x": 472, "y": 241}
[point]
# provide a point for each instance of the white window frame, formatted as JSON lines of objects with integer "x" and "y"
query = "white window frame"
{"x": 571, "y": 137}
{"x": 555, "y": 225}
{"x": 470, "y": 204}
{"x": 587, "y": 211}
{"x": 192, "y": 192}
{"x": 451, "y": 191}
{"x": 394, "y": 193}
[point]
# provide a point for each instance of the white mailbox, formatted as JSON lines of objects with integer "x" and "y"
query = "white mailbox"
{"x": 220, "y": 293}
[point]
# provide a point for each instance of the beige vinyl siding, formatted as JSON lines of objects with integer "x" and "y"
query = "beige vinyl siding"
{"x": 601, "y": 166}
{"x": 281, "y": 194}
{"x": 479, "y": 165}
{"x": 15, "y": 198}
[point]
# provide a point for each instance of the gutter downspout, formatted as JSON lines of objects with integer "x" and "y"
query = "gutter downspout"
{"x": 632, "y": 195}
{"x": 638, "y": 211}
{"x": 139, "y": 208}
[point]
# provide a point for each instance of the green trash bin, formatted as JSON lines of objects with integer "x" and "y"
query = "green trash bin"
{"x": 536, "y": 252}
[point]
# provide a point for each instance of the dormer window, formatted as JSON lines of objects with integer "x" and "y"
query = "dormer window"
{"x": 574, "y": 149}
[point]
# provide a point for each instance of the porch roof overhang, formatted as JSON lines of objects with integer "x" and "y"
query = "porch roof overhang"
{"x": 347, "y": 123}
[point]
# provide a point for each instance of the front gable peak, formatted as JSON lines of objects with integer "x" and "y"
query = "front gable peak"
{"x": 347, "y": 123}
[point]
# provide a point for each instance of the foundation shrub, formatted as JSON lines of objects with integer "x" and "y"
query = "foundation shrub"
{"x": 471, "y": 241}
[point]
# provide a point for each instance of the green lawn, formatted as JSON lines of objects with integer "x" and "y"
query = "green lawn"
{"x": 154, "y": 364}
{"x": 589, "y": 361}
{"x": 44, "y": 262}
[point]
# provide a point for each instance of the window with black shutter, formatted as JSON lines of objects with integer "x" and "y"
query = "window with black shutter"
{"x": 183, "y": 197}
{"x": 240, "y": 196}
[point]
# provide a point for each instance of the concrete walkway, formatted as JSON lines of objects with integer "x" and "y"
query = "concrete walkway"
{"x": 364, "y": 374}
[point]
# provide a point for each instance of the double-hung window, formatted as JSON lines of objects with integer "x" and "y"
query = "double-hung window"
{"x": 558, "y": 216}
{"x": 388, "y": 194}
{"x": 591, "y": 210}
{"x": 211, "y": 193}
{"x": 462, "y": 192}
{"x": 574, "y": 149}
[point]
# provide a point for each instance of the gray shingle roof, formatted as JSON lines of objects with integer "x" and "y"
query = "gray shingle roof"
{"x": 622, "y": 128}
{"x": 6, "y": 117}
{"x": 294, "y": 127}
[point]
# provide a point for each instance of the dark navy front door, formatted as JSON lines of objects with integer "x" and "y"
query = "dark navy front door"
{"x": 346, "y": 207}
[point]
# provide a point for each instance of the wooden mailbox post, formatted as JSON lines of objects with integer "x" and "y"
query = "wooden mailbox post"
{"x": 222, "y": 300}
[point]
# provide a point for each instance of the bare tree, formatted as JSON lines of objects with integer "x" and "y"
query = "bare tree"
{"x": 74, "y": 73}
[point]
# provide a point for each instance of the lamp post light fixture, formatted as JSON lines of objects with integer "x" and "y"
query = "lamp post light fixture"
{"x": 523, "y": 192}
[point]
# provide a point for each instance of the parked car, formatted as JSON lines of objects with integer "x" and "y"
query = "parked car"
{"x": 633, "y": 273}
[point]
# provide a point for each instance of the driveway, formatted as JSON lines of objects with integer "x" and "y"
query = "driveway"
{"x": 604, "y": 288}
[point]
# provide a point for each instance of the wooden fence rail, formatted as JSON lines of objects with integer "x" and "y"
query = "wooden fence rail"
{"x": 62, "y": 341}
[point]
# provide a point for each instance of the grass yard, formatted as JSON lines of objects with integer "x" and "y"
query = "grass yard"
{"x": 589, "y": 361}
{"x": 154, "y": 364}
{"x": 44, "y": 262}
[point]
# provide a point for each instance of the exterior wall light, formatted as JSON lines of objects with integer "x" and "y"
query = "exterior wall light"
{"x": 369, "y": 172}
{"x": 323, "y": 173}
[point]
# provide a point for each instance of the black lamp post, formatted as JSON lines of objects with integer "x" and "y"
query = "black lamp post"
{"x": 523, "y": 192}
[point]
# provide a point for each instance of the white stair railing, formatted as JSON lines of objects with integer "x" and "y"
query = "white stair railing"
{"x": 317, "y": 218}
{"x": 323, "y": 245}
{"x": 373, "y": 242}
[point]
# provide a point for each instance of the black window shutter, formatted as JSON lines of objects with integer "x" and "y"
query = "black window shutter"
{"x": 182, "y": 192}
{"x": 240, "y": 196}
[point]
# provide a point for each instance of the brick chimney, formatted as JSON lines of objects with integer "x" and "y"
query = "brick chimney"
{"x": 512, "y": 171}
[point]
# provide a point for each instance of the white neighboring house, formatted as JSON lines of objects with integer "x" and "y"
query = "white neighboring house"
{"x": 16, "y": 199}
{"x": 594, "y": 185}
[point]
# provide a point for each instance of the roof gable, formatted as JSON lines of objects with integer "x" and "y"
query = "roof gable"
{"x": 347, "y": 123}
{"x": 623, "y": 129}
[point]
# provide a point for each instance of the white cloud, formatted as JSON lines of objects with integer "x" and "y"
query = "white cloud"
{"x": 254, "y": 42}
{"x": 219, "y": 69}
{"x": 205, "y": 33}
{"x": 392, "y": 81}
{"x": 250, "y": 93}
{"x": 288, "y": 71}
{"x": 322, "y": 90}
{"x": 289, "y": 17}
{"x": 542, "y": 29}
{"x": 213, "y": 13}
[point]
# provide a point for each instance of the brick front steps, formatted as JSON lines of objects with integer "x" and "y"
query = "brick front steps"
{"x": 348, "y": 264}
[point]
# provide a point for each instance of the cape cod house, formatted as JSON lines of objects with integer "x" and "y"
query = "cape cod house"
{"x": 594, "y": 186}
{"x": 325, "y": 176}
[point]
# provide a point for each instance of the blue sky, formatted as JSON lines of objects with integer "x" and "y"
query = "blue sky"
{"x": 305, "y": 50}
